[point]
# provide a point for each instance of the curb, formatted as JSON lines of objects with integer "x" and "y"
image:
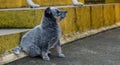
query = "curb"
{"x": 64, "y": 39}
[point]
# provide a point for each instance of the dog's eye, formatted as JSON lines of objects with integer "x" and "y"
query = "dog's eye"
{"x": 59, "y": 14}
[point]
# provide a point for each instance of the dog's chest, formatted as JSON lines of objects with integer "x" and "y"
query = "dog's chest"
{"x": 58, "y": 32}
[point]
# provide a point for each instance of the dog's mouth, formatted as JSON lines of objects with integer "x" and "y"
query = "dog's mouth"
{"x": 62, "y": 17}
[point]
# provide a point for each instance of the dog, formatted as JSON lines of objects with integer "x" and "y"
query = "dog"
{"x": 40, "y": 39}
{"x": 32, "y": 4}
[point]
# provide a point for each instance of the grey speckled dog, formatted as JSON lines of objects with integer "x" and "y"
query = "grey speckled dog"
{"x": 44, "y": 36}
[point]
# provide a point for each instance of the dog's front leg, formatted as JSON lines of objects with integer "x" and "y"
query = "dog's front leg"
{"x": 45, "y": 51}
{"x": 45, "y": 56}
{"x": 59, "y": 50}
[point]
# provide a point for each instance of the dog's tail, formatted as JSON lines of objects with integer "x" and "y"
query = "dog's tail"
{"x": 17, "y": 50}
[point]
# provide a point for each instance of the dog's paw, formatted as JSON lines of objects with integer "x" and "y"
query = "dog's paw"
{"x": 46, "y": 58}
{"x": 16, "y": 50}
{"x": 61, "y": 56}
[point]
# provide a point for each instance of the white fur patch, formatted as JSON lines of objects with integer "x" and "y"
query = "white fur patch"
{"x": 53, "y": 8}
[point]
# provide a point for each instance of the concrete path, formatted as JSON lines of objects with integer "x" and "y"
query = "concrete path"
{"x": 11, "y": 31}
{"x": 100, "y": 49}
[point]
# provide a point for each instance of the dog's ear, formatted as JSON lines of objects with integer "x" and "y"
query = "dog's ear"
{"x": 48, "y": 12}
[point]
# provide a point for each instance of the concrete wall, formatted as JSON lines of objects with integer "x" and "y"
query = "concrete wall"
{"x": 23, "y": 3}
{"x": 106, "y": 14}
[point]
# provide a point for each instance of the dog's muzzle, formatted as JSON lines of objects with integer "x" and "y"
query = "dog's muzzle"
{"x": 63, "y": 15}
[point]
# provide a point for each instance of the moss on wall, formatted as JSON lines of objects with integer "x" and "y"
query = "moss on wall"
{"x": 109, "y": 15}
{"x": 10, "y": 3}
{"x": 38, "y": 16}
{"x": 8, "y": 42}
{"x": 112, "y": 1}
{"x": 117, "y": 12}
{"x": 83, "y": 18}
{"x": 68, "y": 25}
{"x": 17, "y": 19}
{"x": 97, "y": 18}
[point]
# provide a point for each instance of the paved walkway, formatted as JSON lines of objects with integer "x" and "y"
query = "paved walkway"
{"x": 100, "y": 49}
{"x": 11, "y": 31}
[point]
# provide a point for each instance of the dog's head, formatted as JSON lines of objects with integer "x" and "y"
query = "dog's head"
{"x": 54, "y": 13}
